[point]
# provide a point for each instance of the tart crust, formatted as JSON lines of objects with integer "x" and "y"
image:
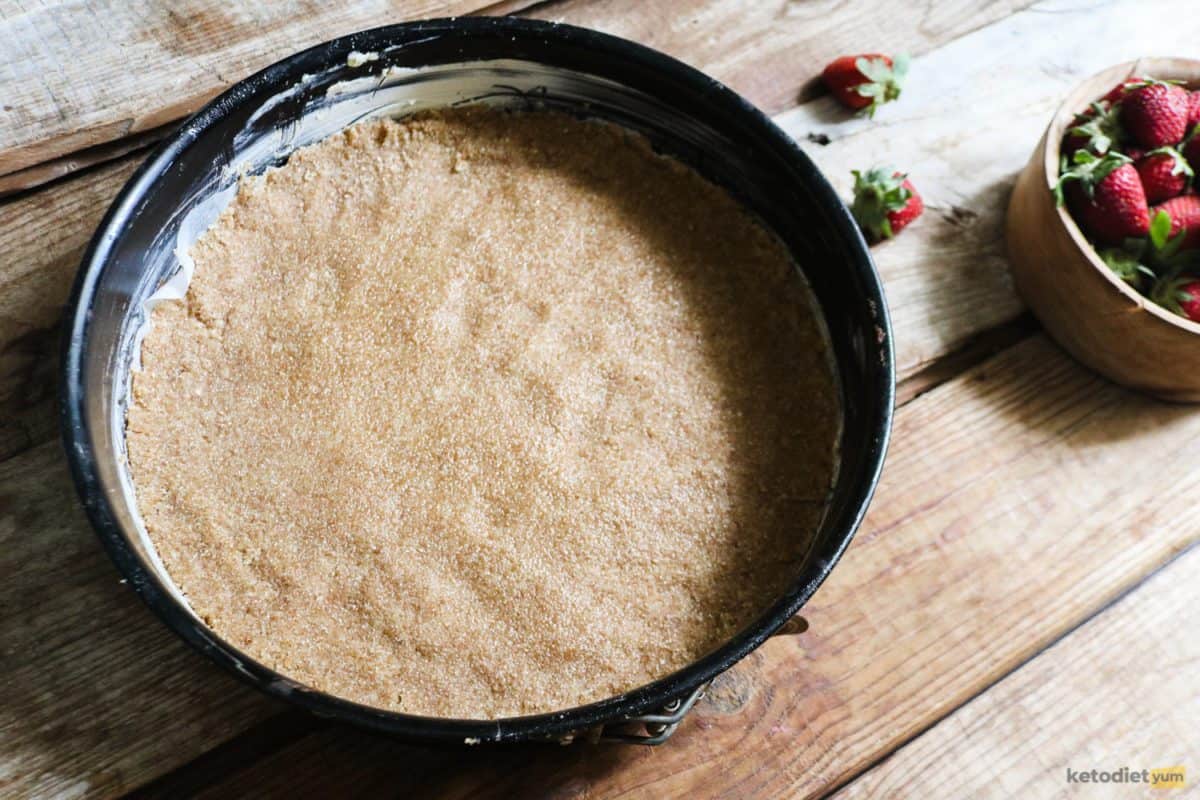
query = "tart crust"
{"x": 481, "y": 414}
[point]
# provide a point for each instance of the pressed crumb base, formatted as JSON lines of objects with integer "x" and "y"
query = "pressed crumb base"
{"x": 483, "y": 414}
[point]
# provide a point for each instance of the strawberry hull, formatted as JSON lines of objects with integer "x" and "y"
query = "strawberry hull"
{"x": 1185, "y": 218}
{"x": 865, "y": 82}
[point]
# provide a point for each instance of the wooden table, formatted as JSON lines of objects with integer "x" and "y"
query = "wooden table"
{"x": 1023, "y": 599}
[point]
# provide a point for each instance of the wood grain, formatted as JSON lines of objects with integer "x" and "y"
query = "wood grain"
{"x": 46, "y": 171}
{"x": 1119, "y": 692}
{"x": 772, "y": 51}
{"x": 97, "y": 696}
{"x": 42, "y": 237}
{"x": 78, "y": 73}
{"x": 1017, "y": 499}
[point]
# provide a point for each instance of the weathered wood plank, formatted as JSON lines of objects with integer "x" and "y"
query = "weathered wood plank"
{"x": 78, "y": 73}
{"x": 96, "y": 697}
{"x": 1119, "y": 692}
{"x": 772, "y": 51}
{"x": 1017, "y": 499}
{"x": 42, "y": 173}
{"x": 42, "y": 237}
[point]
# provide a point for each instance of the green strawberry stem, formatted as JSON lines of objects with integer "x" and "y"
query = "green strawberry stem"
{"x": 878, "y": 192}
{"x": 1089, "y": 170}
{"x": 884, "y": 81}
{"x": 1168, "y": 293}
{"x": 1101, "y": 129}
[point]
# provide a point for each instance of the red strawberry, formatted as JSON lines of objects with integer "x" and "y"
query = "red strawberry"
{"x": 885, "y": 202}
{"x": 1185, "y": 216}
{"x": 1181, "y": 295}
{"x": 1193, "y": 109}
{"x": 1164, "y": 174}
{"x": 867, "y": 81}
{"x": 1117, "y": 92}
{"x": 1191, "y": 306}
{"x": 1106, "y": 196}
{"x": 1135, "y": 152}
{"x": 1155, "y": 114}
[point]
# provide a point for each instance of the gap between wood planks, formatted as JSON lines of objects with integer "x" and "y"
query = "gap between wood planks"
{"x": 18, "y": 182}
{"x": 252, "y": 745}
{"x": 1136, "y": 655}
{"x": 1106, "y": 608}
{"x": 773, "y": 97}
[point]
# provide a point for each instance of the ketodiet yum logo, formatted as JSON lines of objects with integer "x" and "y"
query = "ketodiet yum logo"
{"x": 1160, "y": 778}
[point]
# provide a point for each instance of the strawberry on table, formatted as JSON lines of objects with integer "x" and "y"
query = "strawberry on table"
{"x": 1164, "y": 173}
{"x": 885, "y": 202}
{"x": 1155, "y": 113}
{"x": 1184, "y": 212}
{"x": 1106, "y": 196}
{"x": 865, "y": 82}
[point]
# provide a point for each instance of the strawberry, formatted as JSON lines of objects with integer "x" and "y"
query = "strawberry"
{"x": 1155, "y": 114}
{"x": 1180, "y": 295}
{"x": 1105, "y": 195}
{"x": 1193, "y": 109}
{"x": 1117, "y": 92}
{"x": 1190, "y": 307}
{"x": 885, "y": 202}
{"x": 1191, "y": 147}
{"x": 1185, "y": 218}
{"x": 1096, "y": 129}
{"x": 1137, "y": 261}
{"x": 867, "y": 81}
{"x": 1164, "y": 174}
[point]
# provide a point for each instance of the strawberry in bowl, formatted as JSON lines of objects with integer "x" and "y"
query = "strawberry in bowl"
{"x": 1103, "y": 227}
{"x": 1127, "y": 179}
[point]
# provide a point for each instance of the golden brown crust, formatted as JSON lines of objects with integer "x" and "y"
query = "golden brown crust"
{"x": 482, "y": 414}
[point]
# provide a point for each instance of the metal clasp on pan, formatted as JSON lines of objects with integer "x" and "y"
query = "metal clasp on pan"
{"x": 655, "y": 728}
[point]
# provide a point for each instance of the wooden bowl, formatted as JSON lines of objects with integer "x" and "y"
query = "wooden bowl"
{"x": 1093, "y": 314}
